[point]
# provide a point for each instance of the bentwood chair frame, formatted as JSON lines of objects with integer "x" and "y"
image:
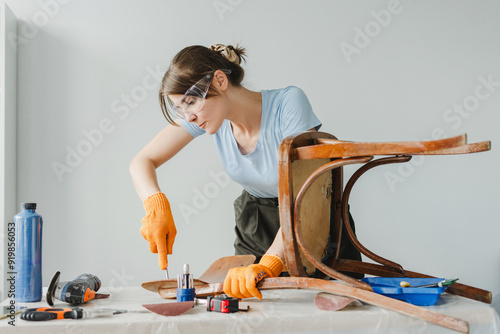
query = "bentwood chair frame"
{"x": 330, "y": 155}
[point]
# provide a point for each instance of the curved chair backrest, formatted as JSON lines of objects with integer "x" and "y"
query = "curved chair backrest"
{"x": 325, "y": 193}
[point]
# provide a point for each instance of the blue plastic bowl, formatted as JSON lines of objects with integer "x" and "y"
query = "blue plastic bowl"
{"x": 390, "y": 287}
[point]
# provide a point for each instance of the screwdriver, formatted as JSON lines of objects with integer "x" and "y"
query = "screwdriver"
{"x": 185, "y": 286}
{"x": 53, "y": 313}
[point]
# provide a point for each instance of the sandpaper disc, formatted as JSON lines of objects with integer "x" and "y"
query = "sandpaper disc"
{"x": 170, "y": 309}
{"x": 329, "y": 302}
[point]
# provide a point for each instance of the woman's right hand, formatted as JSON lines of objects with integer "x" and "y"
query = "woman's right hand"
{"x": 158, "y": 227}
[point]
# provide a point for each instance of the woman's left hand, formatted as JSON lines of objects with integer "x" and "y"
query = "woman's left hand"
{"x": 241, "y": 282}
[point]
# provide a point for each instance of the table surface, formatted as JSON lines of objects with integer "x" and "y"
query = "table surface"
{"x": 280, "y": 311}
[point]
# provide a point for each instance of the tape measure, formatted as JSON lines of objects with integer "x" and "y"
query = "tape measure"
{"x": 224, "y": 304}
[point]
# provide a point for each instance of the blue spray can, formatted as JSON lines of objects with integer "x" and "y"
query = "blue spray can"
{"x": 28, "y": 265}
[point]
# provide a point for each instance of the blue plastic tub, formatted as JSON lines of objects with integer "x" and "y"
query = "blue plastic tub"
{"x": 390, "y": 287}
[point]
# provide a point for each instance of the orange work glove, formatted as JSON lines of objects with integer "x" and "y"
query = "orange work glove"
{"x": 241, "y": 282}
{"x": 158, "y": 227}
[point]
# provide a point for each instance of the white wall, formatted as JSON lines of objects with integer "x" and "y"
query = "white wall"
{"x": 8, "y": 127}
{"x": 85, "y": 57}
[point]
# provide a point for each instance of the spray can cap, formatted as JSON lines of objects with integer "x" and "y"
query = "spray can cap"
{"x": 28, "y": 206}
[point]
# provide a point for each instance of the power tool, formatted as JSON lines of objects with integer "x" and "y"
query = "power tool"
{"x": 81, "y": 289}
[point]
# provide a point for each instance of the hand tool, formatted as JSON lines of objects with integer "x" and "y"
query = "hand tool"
{"x": 53, "y": 313}
{"x": 224, "y": 304}
{"x": 185, "y": 286}
{"x": 443, "y": 283}
{"x": 81, "y": 289}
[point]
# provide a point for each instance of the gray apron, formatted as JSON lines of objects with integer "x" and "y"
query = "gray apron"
{"x": 257, "y": 222}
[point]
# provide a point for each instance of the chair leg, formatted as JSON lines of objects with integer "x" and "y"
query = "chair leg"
{"x": 345, "y": 210}
{"x": 297, "y": 229}
{"x": 389, "y": 268}
{"x": 340, "y": 289}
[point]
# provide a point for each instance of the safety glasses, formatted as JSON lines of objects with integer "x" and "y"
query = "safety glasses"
{"x": 194, "y": 99}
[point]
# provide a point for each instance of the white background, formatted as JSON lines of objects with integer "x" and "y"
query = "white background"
{"x": 78, "y": 60}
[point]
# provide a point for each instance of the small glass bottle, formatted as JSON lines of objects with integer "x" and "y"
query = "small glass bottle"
{"x": 28, "y": 265}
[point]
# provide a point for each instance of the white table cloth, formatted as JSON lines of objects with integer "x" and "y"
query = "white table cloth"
{"x": 280, "y": 311}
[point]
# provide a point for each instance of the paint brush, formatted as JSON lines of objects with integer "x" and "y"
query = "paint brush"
{"x": 443, "y": 283}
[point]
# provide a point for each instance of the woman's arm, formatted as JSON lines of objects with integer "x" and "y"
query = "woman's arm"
{"x": 158, "y": 226}
{"x": 164, "y": 146}
{"x": 276, "y": 247}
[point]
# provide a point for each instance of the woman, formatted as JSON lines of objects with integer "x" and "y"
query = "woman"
{"x": 202, "y": 87}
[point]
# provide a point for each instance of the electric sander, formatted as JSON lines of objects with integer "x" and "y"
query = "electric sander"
{"x": 81, "y": 289}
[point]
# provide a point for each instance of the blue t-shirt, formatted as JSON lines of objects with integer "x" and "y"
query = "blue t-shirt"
{"x": 284, "y": 112}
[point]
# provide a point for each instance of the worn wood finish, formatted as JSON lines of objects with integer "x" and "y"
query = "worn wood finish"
{"x": 327, "y": 148}
{"x": 341, "y": 148}
{"x": 342, "y": 290}
{"x": 465, "y": 149}
{"x": 318, "y": 201}
{"x": 292, "y": 253}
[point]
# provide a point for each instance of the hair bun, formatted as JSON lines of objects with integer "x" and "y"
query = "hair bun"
{"x": 227, "y": 52}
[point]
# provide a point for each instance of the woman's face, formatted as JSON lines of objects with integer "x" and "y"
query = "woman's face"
{"x": 210, "y": 116}
{"x": 215, "y": 108}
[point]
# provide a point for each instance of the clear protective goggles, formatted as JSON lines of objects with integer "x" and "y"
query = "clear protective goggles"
{"x": 193, "y": 100}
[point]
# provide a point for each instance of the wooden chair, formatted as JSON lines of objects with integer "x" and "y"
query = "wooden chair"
{"x": 313, "y": 202}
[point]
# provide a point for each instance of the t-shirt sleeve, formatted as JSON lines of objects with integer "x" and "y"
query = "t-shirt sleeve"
{"x": 193, "y": 129}
{"x": 296, "y": 112}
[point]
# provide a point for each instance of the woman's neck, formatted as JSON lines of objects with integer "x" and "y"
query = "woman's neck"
{"x": 245, "y": 111}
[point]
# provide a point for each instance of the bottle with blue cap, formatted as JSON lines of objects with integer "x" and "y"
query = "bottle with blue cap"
{"x": 28, "y": 264}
